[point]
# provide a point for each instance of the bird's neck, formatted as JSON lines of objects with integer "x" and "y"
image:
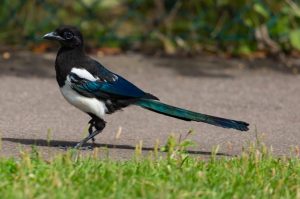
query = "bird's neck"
{"x": 71, "y": 53}
{"x": 67, "y": 59}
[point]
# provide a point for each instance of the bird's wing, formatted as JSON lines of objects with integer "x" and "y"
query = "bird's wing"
{"x": 106, "y": 85}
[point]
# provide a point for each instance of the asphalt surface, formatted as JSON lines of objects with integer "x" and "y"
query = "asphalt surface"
{"x": 34, "y": 112}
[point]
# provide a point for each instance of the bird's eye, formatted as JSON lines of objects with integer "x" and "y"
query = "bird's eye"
{"x": 68, "y": 35}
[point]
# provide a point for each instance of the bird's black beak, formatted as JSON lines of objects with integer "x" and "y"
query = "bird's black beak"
{"x": 53, "y": 36}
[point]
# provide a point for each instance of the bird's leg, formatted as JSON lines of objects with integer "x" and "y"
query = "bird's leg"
{"x": 99, "y": 124}
{"x": 90, "y": 136}
{"x": 92, "y": 124}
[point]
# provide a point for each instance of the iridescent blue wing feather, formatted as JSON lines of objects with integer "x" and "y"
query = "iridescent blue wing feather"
{"x": 119, "y": 87}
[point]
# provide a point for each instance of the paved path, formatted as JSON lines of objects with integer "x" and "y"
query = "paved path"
{"x": 31, "y": 104}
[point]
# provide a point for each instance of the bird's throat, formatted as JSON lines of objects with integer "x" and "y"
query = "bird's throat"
{"x": 67, "y": 59}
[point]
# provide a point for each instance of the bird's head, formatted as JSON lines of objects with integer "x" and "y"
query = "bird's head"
{"x": 68, "y": 36}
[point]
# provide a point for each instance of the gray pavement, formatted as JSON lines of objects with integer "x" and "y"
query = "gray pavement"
{"x": 32, "y": 106}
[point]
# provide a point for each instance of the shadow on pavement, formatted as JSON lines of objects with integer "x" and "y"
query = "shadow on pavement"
{"x": 211, "y": 68}
{"x": 217, "y": 67}
{"x": 28, "y": 65}
{"x": 59, "y": 144}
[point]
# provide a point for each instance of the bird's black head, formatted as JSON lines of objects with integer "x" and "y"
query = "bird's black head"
{"x": 68, "y": 36}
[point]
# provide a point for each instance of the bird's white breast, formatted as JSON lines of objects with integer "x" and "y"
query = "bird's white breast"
{"x": 86, "y": 104}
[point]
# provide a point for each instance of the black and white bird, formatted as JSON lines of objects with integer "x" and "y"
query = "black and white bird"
{"x": 90, "y": 87}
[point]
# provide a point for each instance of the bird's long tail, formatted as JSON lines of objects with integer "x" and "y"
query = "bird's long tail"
{"x": 187, "y": 115}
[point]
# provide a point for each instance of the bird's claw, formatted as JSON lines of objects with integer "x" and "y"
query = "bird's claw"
{"x": 63, "y": 147}
{"x": 81, "y": 148}
{"x": 85, "y": 148}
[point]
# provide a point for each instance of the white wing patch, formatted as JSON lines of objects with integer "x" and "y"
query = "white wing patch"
{"x": 85, "y": 104}
{"x": 84, "y": 74}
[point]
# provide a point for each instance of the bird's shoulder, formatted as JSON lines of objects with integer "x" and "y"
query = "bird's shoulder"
{"x": 98, "y": 70}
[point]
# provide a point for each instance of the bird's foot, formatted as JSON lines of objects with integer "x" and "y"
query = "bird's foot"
{"x": 81, "y": 148}
{"x": 65, "y": 148}
{"x": 85, "y": 148}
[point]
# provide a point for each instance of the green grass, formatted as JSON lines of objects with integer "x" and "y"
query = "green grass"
{"x": 253, "y": 174}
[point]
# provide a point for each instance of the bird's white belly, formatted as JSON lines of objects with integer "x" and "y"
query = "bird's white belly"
{"x": 86, "y": 104}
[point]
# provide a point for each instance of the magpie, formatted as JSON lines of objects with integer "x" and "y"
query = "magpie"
{"x": 89, "y": 86}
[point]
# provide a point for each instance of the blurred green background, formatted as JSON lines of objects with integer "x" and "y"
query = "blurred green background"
{"x": 240, "y": 27}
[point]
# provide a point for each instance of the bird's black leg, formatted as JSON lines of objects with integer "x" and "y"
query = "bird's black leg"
{"x": 99, "y": 125}
{"x": 92, "y": 124}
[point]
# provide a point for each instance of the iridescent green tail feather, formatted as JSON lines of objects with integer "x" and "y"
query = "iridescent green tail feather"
{"x": 187, "y": 115}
